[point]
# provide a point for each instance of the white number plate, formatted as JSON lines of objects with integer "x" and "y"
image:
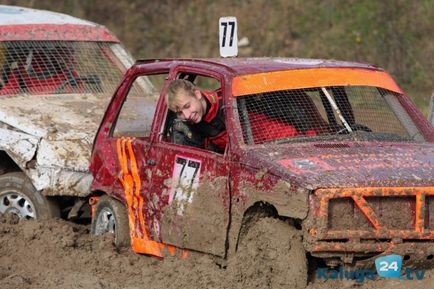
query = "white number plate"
{"x": 228, "y": 40}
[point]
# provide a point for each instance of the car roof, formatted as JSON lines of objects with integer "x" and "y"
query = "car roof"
{"x": 240, "y": 66}
{"x": 257, "y": 75}
{"x": 20, "y": 24}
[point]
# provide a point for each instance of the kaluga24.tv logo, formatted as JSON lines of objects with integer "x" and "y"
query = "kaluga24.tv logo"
{"x": 389, "y": 266}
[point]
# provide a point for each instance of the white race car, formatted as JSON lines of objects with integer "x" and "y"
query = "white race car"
{"x": 57, "y": 74}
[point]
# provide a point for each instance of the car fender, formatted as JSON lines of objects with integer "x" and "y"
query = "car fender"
{"x": 44, "y": 165}
{"x": 252, "y": 188}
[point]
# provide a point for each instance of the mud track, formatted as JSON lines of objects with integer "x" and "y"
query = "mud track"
{"x": 60, "y": 254}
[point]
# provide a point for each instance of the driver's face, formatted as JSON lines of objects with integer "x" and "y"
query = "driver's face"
{"x": 191, "y": 107}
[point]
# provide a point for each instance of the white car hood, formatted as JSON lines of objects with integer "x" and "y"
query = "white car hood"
{"x": 50, "y": 137}
{"x": 71, "y": 116}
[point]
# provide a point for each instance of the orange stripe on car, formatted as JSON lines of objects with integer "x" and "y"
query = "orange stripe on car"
{"x": 130, "y": 180}
{"x": 136, "y": 178}
{"x": 127, "y": 182}
{"x": 309, "y": 78}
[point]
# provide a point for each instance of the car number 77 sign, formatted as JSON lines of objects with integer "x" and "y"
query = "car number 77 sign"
{"x": 228, "y": 40}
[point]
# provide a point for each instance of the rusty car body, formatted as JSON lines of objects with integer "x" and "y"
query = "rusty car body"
{"x": 354, "y": 172}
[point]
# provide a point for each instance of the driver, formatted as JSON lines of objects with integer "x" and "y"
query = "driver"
{"x": 200, "y": 116}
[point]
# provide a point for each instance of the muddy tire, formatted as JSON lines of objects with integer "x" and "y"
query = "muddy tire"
{"x": 271, "y": 255}
{"x": 18, "y": 196}
{"x": 111, "y": 216}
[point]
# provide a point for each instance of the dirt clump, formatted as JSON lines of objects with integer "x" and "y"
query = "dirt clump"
{"x": 9, "y": 219}
{"x": 270, "y": 255}
{"x": 60, "y": 254}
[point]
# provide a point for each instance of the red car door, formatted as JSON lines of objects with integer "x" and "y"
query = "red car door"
{"x": 190, "y": 186}
{"x": 121, "y": 152}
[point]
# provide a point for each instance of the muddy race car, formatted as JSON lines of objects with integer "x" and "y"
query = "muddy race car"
{"x": 333, "y": 151}
{"x": 57, "y": 74}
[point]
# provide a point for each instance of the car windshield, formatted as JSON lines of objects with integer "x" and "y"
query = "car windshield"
{"x": 325, "y": 113}
{"x": 58, "y": 67}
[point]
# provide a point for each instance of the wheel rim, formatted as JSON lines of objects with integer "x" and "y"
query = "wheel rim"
{"x": 18, "y": 204}
{"x": 105, "y": 222}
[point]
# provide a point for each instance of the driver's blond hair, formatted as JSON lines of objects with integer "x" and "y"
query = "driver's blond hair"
{"x": 176, "y": 89}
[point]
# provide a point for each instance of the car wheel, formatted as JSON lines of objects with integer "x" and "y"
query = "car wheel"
{"x": 110, "y": 216}
{"x": 18, "y": 196}
{"x": 270, "y": 253}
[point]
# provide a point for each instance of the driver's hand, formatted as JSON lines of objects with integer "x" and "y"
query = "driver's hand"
{"x": 182, "y": 133}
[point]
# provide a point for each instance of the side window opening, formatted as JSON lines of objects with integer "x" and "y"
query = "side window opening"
{"x": 210, "y": 132}
{"x": 137, "y": 112}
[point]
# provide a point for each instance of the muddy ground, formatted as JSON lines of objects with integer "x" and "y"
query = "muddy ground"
{"x": 60, "y": 254}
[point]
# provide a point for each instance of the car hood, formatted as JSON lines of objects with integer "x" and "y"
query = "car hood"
{"x": 54, "y": 117}
{"x": 361, "y": 164}
{"x": 56, "y": 131}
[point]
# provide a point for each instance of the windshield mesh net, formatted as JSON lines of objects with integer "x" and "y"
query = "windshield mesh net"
{"x": 301, "y": 114}
{"x": 53, "y": 67}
